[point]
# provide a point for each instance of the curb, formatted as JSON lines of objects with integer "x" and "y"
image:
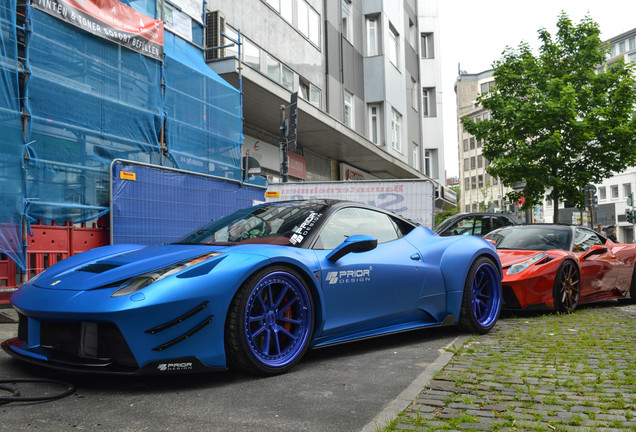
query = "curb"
{"x": 404, "y": 399}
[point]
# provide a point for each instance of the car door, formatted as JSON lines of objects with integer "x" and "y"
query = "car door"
{"x": 599, "y": 270}
{"x": 367, "y": 290}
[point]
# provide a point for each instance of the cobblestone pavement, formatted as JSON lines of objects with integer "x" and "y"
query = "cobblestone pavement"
{"x": 537, "y": 372}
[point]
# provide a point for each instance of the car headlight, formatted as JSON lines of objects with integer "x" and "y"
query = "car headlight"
{"x": 140, "y": 282}
{"x": 516, "y": 268}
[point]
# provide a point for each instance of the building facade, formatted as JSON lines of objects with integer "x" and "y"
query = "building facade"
{"x": 431, "y": 82}
{"x": 356, "y": 68}
{"x": 479, "y": 191}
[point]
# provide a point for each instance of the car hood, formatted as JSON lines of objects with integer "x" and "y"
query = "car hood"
{"x": 510, "y": 257}
{"x": 111, "y": 265}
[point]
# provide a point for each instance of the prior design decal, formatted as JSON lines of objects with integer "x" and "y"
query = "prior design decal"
{"x": 349, "y": 276}
{"x": 304, "y": 228}
{"x": 167, "y": 367}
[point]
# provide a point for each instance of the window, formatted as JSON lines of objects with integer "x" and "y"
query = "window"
{"x": 283, "y": 7}
{"x": 393, "y": 46}
{"x": 426, "y": 45}
{"x": 487, "y": 87}
{"x": 374, "y": 123}
{"x": 627, "y": 189}
{"x": 413, "y": 94}
{"x": 372, "y": 36}
{"x": 466, "y": 183}
{"x": 348, "y": 109}
{"x": 349, "y": 221}
{"x": 472, "y": 143}
{"x": 250, "y": 52}
{"x": 473, "y": 182}
{"x": 466, "y": 164}
{"x": 273, "y": 68}
{"x": 416, "y": 157}
{"x": 308, "y": 22}
{"x": 614, "y": 190}
{"x": 287, "y": 10}
{"x": 309, "y": 92}
{"x": 425, "y": 102}
{"x": 465, "y": 144}
{"x": 427, "y": 163}
{"x": 602, "y": 193}
{"x": 396, "y": 130}
{"x": 480, "y": 181}
{"x": 347, "y": 22}
{"x": 287, "y": 78}
{"x": 478, "y": 143}
{"x": 480, "y": 161}
{"x": 467, "y": 208}
{"x": 280, "y": 73}
{"x": 429, "y": 108}
{"x": 472, "y": 162}
{"x": 584, "y": 239}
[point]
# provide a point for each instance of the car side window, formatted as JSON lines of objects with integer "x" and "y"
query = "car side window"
{"x": 500, "y": 222}
{"x": 350, "y": 221}
{"x": 585, "y": 239}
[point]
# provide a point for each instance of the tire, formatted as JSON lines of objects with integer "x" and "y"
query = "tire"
{"x": 567, "y": 287}
{"x": 270, "y": 322}
{"x": 631, "y": 299}
{"x": 481, "y": 301}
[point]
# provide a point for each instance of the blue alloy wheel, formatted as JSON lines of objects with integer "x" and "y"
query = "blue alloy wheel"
{"x": 482, "y": 297}
{"x": 276, "y": 322}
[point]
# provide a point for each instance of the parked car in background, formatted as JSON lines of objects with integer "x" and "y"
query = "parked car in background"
{"x": 562, "y": 266}
{"x": 253, "y": 291}
{"x": 478, "y": 224}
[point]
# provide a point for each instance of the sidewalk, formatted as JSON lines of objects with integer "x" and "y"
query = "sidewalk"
{"x": 536, "y": 372}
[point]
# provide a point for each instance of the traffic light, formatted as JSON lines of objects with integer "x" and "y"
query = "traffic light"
{"x": 630, "y": 216}
{"x": 630, "y": 200}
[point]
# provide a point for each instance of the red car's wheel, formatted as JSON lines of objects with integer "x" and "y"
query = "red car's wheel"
{"x": 567, "y": 287}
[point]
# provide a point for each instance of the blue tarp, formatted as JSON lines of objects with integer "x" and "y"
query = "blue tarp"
{"x": 11, "y": 140}
{"x": 89, "y": 101}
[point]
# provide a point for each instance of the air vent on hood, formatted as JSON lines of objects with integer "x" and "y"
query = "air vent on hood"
{"x": 98, "y": 267}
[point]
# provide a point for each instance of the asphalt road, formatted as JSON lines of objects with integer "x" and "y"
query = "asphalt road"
{"x": 340, "y": 388}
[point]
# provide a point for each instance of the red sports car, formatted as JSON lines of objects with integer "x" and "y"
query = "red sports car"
{"x": 560, "y": 266}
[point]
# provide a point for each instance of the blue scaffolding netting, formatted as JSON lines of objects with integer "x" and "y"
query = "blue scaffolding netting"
{"x": 87, "y": 101}
{"x": 11, "y": 139}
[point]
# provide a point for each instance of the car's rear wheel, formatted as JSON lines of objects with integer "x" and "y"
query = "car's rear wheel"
{"x": 481, "y": 301}
{"x": 567, "y": 287}
{"x": 632, "y": 290}
{"x": 270, "y": 322}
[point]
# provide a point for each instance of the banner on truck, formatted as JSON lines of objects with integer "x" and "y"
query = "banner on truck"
{"x": 412, "y": 199}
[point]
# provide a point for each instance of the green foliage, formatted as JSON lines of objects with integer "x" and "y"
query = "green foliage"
{"x": 557, "y": 122}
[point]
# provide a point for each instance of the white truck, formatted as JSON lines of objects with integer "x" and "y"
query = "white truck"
{"x": 411, "y": 198}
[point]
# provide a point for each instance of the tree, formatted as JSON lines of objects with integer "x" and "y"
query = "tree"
{"x": 557, "y": 121}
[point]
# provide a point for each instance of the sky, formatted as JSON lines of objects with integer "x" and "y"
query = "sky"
{"x": 474, "y": 33}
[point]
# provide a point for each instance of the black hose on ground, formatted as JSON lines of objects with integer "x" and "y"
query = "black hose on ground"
{"x": 9, "y": 386}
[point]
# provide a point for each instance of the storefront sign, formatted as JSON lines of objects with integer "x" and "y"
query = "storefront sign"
{"x": 297, "y": 166}
{"x": 111, "y": 20}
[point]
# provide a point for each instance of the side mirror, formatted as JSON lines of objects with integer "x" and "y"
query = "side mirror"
{"x": 595, "y": 250}
{"x": 355, "y": 243}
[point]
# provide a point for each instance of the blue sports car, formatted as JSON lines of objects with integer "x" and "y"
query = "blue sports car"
{"x": 253, "y": 291}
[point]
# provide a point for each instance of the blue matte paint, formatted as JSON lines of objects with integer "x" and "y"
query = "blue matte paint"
{"x": 362, "y": 294}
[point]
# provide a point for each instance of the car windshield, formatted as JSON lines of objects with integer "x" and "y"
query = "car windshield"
{"x": 273, "y": 223}
{"x": 531, "y": 238}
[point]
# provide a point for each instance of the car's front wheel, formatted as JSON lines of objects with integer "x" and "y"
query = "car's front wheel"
{"x": 481, "y": 301}
{"x": 567, "y": 287}
{"x": 270, "y": 322}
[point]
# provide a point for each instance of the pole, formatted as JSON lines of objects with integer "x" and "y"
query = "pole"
{"x": 284, "y": 168}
